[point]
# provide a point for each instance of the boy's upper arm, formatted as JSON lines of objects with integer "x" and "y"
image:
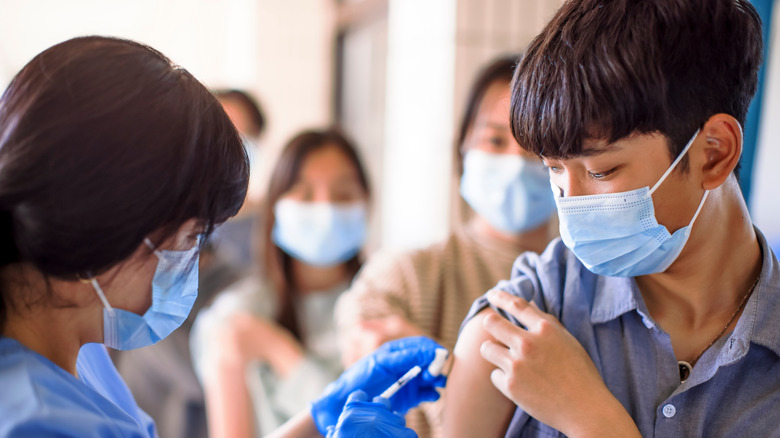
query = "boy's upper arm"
{"x": 474, "y": 407}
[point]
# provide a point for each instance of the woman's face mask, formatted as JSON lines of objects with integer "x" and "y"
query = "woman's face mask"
{"x": 320, "y": 233}
{"x": 174, "y": 290}
{"x": 510, "y": 192}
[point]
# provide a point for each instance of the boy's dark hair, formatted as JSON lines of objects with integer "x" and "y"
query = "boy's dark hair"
{"x": 607, "y": 69}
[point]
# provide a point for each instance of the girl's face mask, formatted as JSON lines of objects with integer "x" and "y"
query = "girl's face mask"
{"x": 319, "y": 233}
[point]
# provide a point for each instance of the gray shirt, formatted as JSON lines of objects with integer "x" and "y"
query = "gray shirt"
{"x": 734, "y": 389}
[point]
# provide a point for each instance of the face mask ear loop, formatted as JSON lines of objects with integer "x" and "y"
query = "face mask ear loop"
{"x": 101, "y": 295}
{"x": 701, "y": 204}
{"x": 674, "y": 164}
{"x": 151, "y": 246}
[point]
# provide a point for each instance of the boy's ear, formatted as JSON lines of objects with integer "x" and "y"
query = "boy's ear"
{"x": 722, "y": 150}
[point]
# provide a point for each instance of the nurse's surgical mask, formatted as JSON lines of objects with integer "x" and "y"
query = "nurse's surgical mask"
{"x": 319, "y": 233}
{"x": 617, "y": 234}
{"x": 510, "y": 192}
{"x": 174, "y": 290}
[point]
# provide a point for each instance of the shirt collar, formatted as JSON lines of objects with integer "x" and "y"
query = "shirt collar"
{"x": 758, "y": 323}
{"x": 614, "y": 297}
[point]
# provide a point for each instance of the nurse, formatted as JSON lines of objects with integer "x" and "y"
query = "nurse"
{"x": 114, "y": 164}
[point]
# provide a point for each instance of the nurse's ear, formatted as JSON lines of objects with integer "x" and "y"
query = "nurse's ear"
{"x": 723, "y": 148}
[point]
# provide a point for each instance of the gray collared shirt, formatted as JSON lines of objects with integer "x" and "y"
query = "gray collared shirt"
{"x": 734, "y": 389}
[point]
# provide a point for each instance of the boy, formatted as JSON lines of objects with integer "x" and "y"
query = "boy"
{"x": 656, "y": 312}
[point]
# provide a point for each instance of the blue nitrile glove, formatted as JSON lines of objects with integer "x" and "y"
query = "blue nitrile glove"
{"x": 362, "y": 418}
{"x": 376, "y": 372}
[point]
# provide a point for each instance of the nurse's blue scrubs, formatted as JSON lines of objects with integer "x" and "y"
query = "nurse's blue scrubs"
{"x": 40, "y": 399}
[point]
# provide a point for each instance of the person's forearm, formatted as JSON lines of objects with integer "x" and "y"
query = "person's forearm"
{"x": 286, "y": 355}
{"x": 228, "y": 406}
{"x": 300, "y": 426}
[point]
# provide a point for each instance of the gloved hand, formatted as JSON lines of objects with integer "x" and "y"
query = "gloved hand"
{"x": 376, "y": 372}
{"x": 362, "y": 418}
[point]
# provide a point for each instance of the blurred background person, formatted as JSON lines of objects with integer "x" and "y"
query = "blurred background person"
{"x": 267, "y": 345}
{"x": 429, "y": 291}
{"x": 232, "y": 242}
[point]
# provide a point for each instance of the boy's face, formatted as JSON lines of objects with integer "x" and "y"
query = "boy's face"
{"x": 629, "y": 164}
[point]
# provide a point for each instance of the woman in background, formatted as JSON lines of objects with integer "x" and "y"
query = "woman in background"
{"x": 268, "y": 345}
{"x": 429, "y": 291}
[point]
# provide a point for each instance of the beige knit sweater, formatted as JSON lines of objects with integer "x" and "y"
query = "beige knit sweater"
{"x": 433, "y": 288}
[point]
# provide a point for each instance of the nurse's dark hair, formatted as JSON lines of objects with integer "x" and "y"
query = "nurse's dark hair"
{"x": 104, "y": 141}
{"x": 608, "y": 69}
{"x": 277, "y": 264}
{"x": 499, "y": 70}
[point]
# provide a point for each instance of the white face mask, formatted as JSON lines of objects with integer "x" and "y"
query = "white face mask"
{"x": 320, "y": 233}
{"x": 617, "y": 234}
{"x": 509, "y": 192}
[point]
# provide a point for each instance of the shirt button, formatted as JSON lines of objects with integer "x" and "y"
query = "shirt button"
{"x": 669, "y": 411}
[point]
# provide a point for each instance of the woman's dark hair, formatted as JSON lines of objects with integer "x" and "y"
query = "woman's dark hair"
{"x": 608, "y": 69}
{"x": 249, "y": 104}
{"x": 499, "y": 70}
{"x": 102, "y": 142}
{"x": 277, "y": 263}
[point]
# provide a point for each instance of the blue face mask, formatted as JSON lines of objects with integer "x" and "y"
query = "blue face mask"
{"x": 319, "y": 233}
{"x": 174, "y": 290}
{"x": 617, "y": 234}
{"x": 511, "y": 193}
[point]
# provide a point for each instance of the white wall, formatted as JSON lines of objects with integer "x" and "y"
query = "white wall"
{"x": 206, "y": 37}
{"x": 765, "y": 199}
{"x": 418, "y": 122}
